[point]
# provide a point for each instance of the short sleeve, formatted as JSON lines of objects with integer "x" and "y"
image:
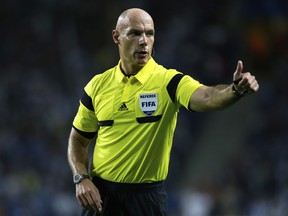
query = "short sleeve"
{"x": 185, "y": 89}
{"x": 85, "y": 120}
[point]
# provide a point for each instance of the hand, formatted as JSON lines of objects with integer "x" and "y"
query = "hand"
{"x": 247, "y": 83}
{"x": 88, "y": 195}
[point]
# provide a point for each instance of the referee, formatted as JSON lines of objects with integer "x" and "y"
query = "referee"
{"x": 133, "y": 109}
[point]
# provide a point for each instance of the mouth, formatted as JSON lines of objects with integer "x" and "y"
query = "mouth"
{"x": 142, "y": 54}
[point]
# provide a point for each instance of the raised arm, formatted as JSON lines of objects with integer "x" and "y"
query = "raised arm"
{"x": 207, "y": 98}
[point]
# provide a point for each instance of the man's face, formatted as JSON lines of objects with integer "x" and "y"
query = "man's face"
{"x": 136, "y": 39}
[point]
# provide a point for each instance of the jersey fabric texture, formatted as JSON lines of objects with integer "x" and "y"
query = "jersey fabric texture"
{"x": 135, "y": 118}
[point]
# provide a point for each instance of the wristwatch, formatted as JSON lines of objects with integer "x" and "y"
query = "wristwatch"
{"x": 79, "y": 178}
{"x": 236, "y": 92}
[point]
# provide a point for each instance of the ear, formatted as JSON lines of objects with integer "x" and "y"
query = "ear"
{"x": 115, "y": 36}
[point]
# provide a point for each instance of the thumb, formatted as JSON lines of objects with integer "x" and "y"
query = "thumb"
{"x": 238, "y": 71}
{"x": 239, "y": 68}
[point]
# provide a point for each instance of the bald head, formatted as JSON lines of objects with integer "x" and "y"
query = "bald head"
{"x": 132, "y": 15}
{"x": 134, "y": 36}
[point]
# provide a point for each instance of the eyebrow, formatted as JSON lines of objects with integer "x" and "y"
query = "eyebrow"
{"x": 139, "y": 31}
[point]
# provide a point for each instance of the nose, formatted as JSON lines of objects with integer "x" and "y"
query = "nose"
{"x": 143, "y": 40}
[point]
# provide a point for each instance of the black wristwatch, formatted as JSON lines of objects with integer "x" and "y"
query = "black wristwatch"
{"x": 235, "y": 92}
{"x": 79, "y": 178}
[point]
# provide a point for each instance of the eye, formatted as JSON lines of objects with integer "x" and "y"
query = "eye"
{"x": 135, "y": 33}
{"x": 150, "y": 33}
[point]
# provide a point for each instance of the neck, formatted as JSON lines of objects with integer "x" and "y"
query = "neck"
{"x": 130, "y": 71}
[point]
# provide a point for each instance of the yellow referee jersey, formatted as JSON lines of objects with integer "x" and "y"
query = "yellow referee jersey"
{"x": 135, "y": 118}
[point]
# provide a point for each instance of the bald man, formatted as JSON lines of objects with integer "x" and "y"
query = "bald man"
{"x": 133, "y": 108}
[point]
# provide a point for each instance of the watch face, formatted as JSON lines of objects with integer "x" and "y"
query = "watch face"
{"x": 77, "y": 178}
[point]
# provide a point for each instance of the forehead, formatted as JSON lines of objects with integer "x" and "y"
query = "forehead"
{"x": 137, "y": 21}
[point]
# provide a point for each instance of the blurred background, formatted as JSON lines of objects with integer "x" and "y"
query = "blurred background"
{"x": 226, "y": 163}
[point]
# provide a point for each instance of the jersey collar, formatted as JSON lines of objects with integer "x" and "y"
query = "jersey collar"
{"x": 142, "y": 76}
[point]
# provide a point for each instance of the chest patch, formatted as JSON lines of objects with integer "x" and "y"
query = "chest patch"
{"x": 148, "y": 103}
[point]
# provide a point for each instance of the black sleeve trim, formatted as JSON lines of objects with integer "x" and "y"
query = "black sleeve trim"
{"x": 106, "y": 123}
{"x": 86, "y": 100}
{"x": 149, "y": 119}
{"x": 172, "y": 86}
{"x": 88, "y": 135}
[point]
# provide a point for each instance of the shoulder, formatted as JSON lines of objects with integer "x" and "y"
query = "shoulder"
{"x": 103, "y": 76}
{"x": 98, "y": 80}
{"x": 166, "y": 73}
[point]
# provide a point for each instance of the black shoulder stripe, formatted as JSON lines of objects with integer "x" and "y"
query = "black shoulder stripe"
{"x": 172, "y": 86}
{"x": 86, "y": 100}
{"x": 88, "y": 135}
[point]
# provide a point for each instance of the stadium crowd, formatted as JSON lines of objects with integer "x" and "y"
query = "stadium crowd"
{"x": 50, "y": 49}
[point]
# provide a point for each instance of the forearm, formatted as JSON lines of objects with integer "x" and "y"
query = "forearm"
{"x": 221, "y": 96}
{"x": 78, "y": 153}
{"x": 208, "y": 98}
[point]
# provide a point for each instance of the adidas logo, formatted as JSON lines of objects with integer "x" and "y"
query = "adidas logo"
{"x": 123, "y": 107}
